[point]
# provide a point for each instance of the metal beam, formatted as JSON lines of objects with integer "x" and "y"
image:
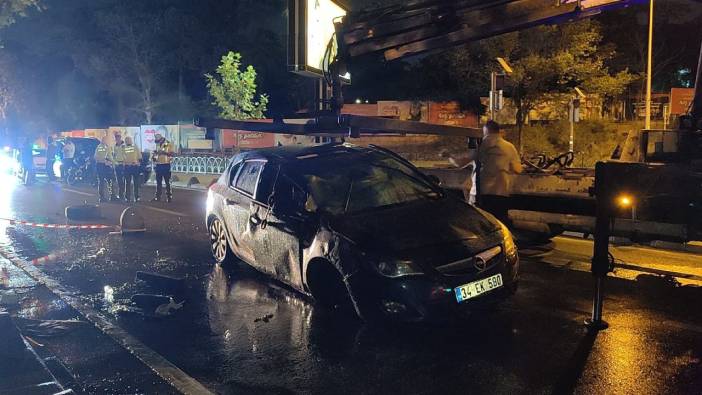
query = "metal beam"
{"x": 344, "y": 125}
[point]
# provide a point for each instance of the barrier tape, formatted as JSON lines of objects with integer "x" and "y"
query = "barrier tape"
{"x": 12, "y": 257}
{"x": 56, "y": 226}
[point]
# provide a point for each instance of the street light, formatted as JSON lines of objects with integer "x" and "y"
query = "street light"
{"x": 649, "y": 67}
{"x": 573, "y": 116}
{"x": 497, "y": 82}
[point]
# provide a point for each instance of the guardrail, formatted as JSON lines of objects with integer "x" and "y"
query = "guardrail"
{"x": 199, "y": 164}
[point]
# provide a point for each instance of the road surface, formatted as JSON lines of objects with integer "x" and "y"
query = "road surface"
{"x": 238, "y": 332}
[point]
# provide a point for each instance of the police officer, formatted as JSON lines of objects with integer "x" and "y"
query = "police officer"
{"x": 103, "y": 162}
{"x": 497, "y": 162}
{"x": 118, "y": 160}
{"x": 161, "y": 159}
{"x": 132, "y": 167}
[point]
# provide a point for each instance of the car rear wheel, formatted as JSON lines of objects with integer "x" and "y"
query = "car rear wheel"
{"x": 219, "y": 244}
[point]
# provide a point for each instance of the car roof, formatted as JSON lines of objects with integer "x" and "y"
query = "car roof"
{"x": 293, "y": 153}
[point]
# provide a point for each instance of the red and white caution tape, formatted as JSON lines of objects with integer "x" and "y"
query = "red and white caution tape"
{"x": 56, "y": 226}
{"x": 12, "y": 257}
{"x": 47, "y": 259}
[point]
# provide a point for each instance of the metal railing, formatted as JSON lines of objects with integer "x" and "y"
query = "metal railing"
{"x": 199, "y": 164}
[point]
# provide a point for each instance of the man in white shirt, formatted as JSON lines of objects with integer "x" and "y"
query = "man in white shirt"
{"x": 497, "y": 162}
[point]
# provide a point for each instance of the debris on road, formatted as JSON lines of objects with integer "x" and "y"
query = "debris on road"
{"x": 168, "y": 308}
{"x": 156, "y": 305}
{"x": 83, "y": 212}
{"x": 265, "y": 318}
{"x": 99, "y": 253}
{"x": 50, "y": 328}
{"x": 166, "y": 284}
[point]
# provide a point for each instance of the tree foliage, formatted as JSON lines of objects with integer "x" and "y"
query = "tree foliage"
{"x": 11, "y": 9}
{"x": 234, "y": 90}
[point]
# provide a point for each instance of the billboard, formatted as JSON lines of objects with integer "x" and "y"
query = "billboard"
{"x": 250, "y": 140}
{"x": 147, "y": 133}
{"x": 450, "y": 113}
{"x": 404, "y": 110}
{"x": 680, "y": 100}
{"x": 311, "y": 28}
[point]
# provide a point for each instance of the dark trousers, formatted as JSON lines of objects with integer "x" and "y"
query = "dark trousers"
{"x": 133, "y": 180}
{"x": 121, "y": 178}
{"x": 106, "y": 178}
{"x": 66, "y": 166}
{"x": 496, "y": 205}
{"x": 163, "y": 174}
{"x": 50, "y": 169}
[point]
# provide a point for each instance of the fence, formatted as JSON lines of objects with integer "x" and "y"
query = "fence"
{"x": 199, "y": 164}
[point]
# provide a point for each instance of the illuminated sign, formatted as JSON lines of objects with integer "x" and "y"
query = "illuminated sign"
{"x": 311, "y": 29}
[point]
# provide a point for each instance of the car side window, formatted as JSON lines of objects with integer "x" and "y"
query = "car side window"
{"x": 232, "y": 173}
{"x": 248, "y": 176}
{"x": 265, "y": 183}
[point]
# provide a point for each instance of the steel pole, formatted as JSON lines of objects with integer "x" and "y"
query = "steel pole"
{"x": 649, "y": 68}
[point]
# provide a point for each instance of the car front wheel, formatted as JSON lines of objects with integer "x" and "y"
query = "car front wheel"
{"x": 219, "y": 243}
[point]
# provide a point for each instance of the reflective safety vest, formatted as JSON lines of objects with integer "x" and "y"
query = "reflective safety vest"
{"x": 118, "y": 154}
{"x": 132, "y": 156}
{"x": 163, "y": 158}
{"x": 103, "y": 153}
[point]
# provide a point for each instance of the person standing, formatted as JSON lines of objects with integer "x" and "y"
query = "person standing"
{"x": 118, "y": 161}
{"x": 162, "y": 162}
{"x": 103, "y": 162}
{"x": 497, "y": 161}
{"x": 67, "y": 162}
{"x": 51, "y": 151}
{"x": 132, "y": 167}
{"x": 27, "y": 161}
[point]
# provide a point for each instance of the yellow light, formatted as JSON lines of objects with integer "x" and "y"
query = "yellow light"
{"x": 625, "y": 201}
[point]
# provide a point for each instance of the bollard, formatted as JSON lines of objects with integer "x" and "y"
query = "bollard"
{"x": 131, "y": 221}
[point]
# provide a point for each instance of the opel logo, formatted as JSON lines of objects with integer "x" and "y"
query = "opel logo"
{"x": 479, "y": 263}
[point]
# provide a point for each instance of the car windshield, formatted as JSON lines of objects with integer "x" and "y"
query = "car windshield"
{"x": 352, "y": 183}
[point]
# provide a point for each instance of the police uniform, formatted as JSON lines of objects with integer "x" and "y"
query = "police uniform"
{"x": 103, "y": 162}
{"x": 132, "y": 161}
{"x": 118, "y": 160}
{"x": 162, "y": 163}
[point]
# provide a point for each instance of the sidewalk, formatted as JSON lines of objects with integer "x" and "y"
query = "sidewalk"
{"x": 22, "y": 370}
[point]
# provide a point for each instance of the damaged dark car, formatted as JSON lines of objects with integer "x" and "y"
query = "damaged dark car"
{"x": 361, "y": 227}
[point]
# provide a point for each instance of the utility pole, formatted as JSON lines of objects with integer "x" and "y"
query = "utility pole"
{"x": 649, "y": 67}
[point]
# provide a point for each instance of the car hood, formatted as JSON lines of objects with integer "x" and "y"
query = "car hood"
{"x": 443, "y": 229}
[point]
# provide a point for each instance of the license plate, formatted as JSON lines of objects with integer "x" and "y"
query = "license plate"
{"x": 471, "y": 290}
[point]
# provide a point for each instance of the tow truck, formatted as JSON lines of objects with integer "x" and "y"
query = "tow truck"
{"x": 655, "y": 190}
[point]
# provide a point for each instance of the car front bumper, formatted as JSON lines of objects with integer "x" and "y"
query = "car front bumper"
{"x": 430, "y": 298}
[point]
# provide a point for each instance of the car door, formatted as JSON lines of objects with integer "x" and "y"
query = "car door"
{"x": 277, "y": 237}
{"x": 238, "y": 199}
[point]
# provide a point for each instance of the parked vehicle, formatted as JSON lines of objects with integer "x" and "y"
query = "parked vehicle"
{"x": 359, "y": 227}
{"x": 27, "y": 169}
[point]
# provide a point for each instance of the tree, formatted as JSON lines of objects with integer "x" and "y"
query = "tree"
{"x": 550, "y": 59}
{"x": 11, "y": 9}
{"x": 234, "y": 90}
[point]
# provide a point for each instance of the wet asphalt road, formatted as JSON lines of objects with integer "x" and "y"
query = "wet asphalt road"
{"x": 240, "y": 333}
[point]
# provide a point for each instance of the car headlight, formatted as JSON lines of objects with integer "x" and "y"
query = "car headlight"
{"x": 508, "y": 242}
{"x": 397, "y": 268}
